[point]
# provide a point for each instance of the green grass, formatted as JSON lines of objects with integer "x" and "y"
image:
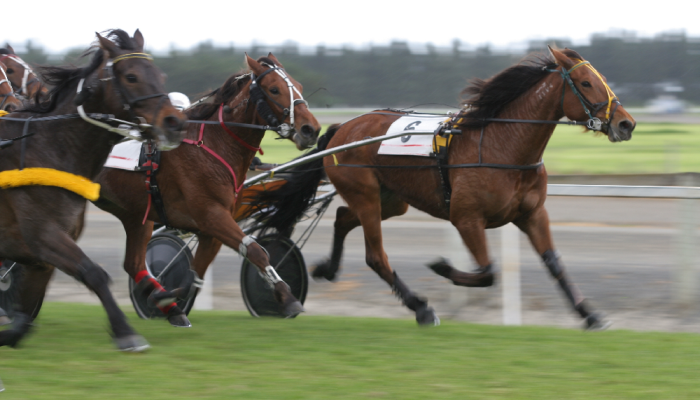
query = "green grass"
{"x": 654, "y": 148}
{"x": 231, "y": 355}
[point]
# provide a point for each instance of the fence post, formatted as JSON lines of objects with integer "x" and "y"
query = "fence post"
{"x": 205, "y": 297}
{"x": 510, "y": 275}
{"x": 686, "y": 275}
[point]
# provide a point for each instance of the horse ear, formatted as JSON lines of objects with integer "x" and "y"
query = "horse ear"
{"x": 108, "y": 46}
{"x": 275, "y": 60}
{"x": 560, "y": 58}
{"x": 253, "y": 65}
{"x": 10, "y": 49}
{"x": 138, "y": 38}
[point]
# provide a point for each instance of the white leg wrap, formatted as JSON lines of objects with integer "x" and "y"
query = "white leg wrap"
{"x": 243, "y": 247}
{"x": 271, "y": 276}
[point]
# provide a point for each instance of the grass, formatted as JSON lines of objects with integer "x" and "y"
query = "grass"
{"x": 230, "y": 355}
{"x": 654, "y": 148}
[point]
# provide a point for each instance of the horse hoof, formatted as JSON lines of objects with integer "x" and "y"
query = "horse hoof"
{"x": 132, "y": 344}
{"x": 179, "y": 321}
{"x": 323, "y": 271}
{"x": 596, "y": 323}
{"x": 426, "y": 317}
{"x": 293, "y": 309}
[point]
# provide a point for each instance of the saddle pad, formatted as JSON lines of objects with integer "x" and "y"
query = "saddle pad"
{"x": 411, "y": 145}
{"x": 125, "y": 155}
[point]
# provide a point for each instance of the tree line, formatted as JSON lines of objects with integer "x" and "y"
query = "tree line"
{"x": 396, "y": 75}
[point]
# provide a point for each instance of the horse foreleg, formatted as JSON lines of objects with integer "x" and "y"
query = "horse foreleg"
{"x": 33, "y": 286}
{"x": 474, "y": 237}
{"x": 207, "y": 249}
{"x": 217, "y": 222}
{"x": 51, "y": 245}
{"x": 137, "y": 237}
{"x": 536, "y": 227}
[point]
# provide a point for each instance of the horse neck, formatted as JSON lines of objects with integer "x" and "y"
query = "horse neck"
{"x": 229, "y": 148}
{"x": 524, "y": 143}
{"x": 82, "y": 147}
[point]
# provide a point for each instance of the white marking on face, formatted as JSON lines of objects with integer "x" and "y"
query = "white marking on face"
{"x": 543, "y": 90}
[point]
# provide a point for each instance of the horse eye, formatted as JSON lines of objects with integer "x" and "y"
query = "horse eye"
{"x": 274, "y": 90}
{"x": 131, "y": 78}
{"x": 586, "y": 84}
{"x": 10, "y": 70}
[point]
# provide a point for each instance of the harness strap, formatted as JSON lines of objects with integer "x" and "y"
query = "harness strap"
{"x": 230, "y": 133}
{"x": 200, "y": 143}
{"x": 154, "y": 195}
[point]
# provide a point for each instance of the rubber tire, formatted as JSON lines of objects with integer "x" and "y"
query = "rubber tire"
{"x": 160, "y": 250}
{"x": 10, "y": 289}
{"x": 257, "y": 295}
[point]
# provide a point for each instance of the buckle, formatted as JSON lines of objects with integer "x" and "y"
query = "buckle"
{"x": 594, "y": 124}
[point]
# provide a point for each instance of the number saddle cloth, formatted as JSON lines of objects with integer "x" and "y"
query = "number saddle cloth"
{"x": 417, "y": 145}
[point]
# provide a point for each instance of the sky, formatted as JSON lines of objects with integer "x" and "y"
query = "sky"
{"x": 504, "y": 24}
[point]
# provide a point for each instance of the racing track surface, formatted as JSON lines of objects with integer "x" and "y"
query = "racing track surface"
{"x": 620, "y": 252}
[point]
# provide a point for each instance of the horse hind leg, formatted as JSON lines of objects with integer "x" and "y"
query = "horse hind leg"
{"x": 474, "y": 237}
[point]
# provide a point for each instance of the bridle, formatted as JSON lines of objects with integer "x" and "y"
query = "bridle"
{"x": 124, "y": 128}
{"x": 8, "y": 94}
{"x": 25, "y": 78}
{"x": 593, "y": 123}
{"x": 591, "y": 109}
{"x": 258, "y": 95}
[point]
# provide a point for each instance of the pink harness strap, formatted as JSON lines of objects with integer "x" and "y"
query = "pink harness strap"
{"x": 200, "y": 143}
{"x": 233, "y": 135}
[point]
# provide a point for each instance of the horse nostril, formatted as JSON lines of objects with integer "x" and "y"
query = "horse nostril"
{"x": 173, "y": 123}
{"x": 625, "y": 126}
{"x": 307, "y": 130}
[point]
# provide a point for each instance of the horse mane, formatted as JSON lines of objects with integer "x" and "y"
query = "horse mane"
{"x": 222, "y": 95}
{"x": 487, "y": 98}
{"x": 5, "y": 51}
{"x": 64, "y": 79}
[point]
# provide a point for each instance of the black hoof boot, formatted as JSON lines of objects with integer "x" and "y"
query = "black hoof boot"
{"x": 4, "y": 319}
{"x": 425, "y": 316}
{"x": 132, "y": 344}
{"x": 323, "y": 271}
{"x": 482, "y": 277}
{"x": 595, "y": 322}
{"x": 178, "y": 319}
{"x": 21, "y": 326}
{"x": 293, "y": 309}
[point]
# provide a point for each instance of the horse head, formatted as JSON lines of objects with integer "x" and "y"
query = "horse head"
{"x": 24, "y": 81}
{"x": 141, "y": 97}
{"x": 590, "y": 98}
{"x": 275, "y": 93}
{"x": 8, "y": 101}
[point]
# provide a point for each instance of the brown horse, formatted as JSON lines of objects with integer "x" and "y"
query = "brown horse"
{"x": 9, "y": 102}
{"x": 504, "y": 132}
{"x": 200, "y": 193}
{"x": 23, "y": 79}
{"x": 39, "y": 224}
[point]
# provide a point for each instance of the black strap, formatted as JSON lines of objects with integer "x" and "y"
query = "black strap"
{"x": 23, "y": 148}
{"x": 151, "y": 167}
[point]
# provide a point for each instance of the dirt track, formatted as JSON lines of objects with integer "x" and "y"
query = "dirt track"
{"x": 625, "y": 266}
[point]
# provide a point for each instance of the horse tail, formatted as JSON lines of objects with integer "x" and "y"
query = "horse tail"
{"x": 283, "y": 207}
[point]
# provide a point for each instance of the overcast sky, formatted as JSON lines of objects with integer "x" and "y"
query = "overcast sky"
{"x": 59, "y": 25}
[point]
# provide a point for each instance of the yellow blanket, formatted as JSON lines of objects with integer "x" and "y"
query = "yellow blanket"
{"x": 50, "y": 177}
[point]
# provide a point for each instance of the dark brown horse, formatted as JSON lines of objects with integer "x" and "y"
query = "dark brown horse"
{"x": 503, "y": 181}
{"x": 8, "y": 101}
{"x": 200, "y": 180}
{"x": 39, "y": 224}
{"x": 24, "y": 80}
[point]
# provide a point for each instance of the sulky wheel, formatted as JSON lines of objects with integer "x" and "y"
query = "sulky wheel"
{"x": 287, "y": 259}
{"x": 164, "y": 249}
{"x": 11, "y": 281}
